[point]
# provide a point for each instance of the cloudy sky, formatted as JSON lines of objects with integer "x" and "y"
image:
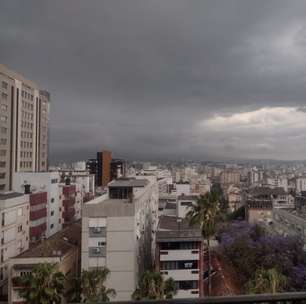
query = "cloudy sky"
{"x": 165, "y": 79}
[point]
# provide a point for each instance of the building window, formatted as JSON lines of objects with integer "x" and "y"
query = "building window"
{"x": 2, "y": 186}
{"x": 4, "y": 96}
{"x": 52, "y": 200}
{"x": 3, "y": 108}
{"x": 2, "y": 152}
{"x": 2, "y": 175}
{"x": 3, "y": 130}
{"x": 4, "y": 85}
{"x": 19, "y": 228}
{"x": 97, "y": 231}
{"x": 186, "y": 285}
{"x": 3, "y": 141}
{"x": 2, "y": 164}
{"x": 3, "y": 118}
{"x": 52, "y": 213}
{"x": 51, "y": 226}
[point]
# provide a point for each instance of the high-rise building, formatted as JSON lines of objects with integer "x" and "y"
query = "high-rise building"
{"x": 104, "y": 159}
{"x": 24, "y": 114}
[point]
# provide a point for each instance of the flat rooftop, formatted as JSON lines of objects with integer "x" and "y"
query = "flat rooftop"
{"x": 57, "y": 245}
{"x": 128, "y": 182}
{"x": 109, "y": 207}
{"x": 10, "y": 195}
{"x": 187, "y": 197}
{"x": 171, "y": 229}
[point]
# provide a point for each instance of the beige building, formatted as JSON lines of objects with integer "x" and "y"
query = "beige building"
{"x": 24, "y": 114}
{"x": 230, "y": 176}
{"x": 14, "y": 231}
{"x": 62, "y": 249}
{"x": 119, "y": 232}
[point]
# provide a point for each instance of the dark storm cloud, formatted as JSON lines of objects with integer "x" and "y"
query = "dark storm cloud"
{"x": 147, "y": 78}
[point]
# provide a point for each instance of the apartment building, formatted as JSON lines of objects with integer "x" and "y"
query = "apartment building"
{"x": 62, "y": 249}
{"x": 300, "y": 184}
{"x": 229, "y": 176}
{"x": 43, "y": 182}
{"x": 119, "y": 232}
{"x": 179, "y": 255}
{"x": 24, "y": 115}
{"x": 14, "y": 231}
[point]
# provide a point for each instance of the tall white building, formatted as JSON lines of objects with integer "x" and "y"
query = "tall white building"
{"x": 24, "y": 115}
{"x": 119, "y": 232}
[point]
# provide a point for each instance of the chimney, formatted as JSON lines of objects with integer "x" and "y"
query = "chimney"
{"x": 27, "y": 189}
{"x": 67, "y": 181}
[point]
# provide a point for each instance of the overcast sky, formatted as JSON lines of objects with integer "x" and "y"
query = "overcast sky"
{"x": 165, "y": 79}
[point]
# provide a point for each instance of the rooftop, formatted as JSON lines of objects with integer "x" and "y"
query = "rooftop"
{"x": 268, "y": 191}
{"x": 172, "y": 228}
{"x": 58, "y": 245}
{"x": 128, "y": 182}
{"x": 109, "y": 207}
{"x": 10, "y": 195}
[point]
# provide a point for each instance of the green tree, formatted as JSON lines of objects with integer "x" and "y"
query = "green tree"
{"x": 93, "y": 288}
{"x": 44, "y": 285}
{"x": 205, "y": 213}
{"x": 152, "y": 286}
{"x": 267, "y": 281}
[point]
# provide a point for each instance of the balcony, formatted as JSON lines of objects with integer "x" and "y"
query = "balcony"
{"x": 68, "y": 190}
{"x": 68, "y": 214}
{"x": 38, "y": 230}
{"x": 280, "y": 298}
{"x": 38, "y": 214}
{"x": 68, "y": 202}
{"x": 181, "y": 274}
{"x": 179, "y": 255}
{"x": 38, "y": 198}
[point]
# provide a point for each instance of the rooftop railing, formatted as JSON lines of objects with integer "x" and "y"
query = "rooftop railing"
{"x": 288, "y": 298}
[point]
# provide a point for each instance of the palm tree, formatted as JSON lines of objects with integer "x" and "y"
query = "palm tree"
{"x": 43, "y": 285}
{"x": 205, "y": 213}
{"x": 152, "y": 286}
{"x": 93, "y": 288}
{"x": 267, "y": 281}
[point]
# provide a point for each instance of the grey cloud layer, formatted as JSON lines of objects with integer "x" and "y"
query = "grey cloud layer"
{"x": 139, "y": 76}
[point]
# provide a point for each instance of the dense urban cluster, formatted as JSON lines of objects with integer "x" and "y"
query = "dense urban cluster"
{"x": 110, "y": 229}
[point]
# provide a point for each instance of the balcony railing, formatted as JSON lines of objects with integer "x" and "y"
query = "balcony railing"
{"x": 38, "y": 214}
{"x": 288, "y": 298}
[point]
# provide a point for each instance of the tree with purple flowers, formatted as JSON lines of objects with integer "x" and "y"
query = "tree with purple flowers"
{"x": 249, "y": 249}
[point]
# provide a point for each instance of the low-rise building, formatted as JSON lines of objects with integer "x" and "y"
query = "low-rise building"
{"x": 62, "y": 249}
{"x": 179, "y": 255}
{"x": 277, "y": 196}
{"x": 259, "y": 211}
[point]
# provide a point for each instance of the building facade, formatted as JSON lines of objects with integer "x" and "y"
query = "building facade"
{"x": 119, "y": 232}
{"x": 24, "y": 116}
{"x": 179, "y": 255}
{"x": 14, "y": 231}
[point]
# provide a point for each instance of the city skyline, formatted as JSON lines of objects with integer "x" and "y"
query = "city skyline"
{"x": 153, "y": 80}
